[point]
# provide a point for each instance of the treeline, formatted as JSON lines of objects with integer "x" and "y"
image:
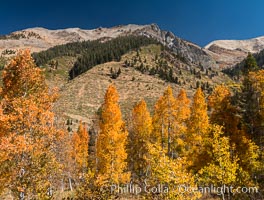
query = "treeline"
{"x": 150, "y": 157}
{"x": 91, "y": 53}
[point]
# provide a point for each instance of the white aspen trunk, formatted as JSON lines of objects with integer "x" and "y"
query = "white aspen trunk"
{"x": 70, "y": 184}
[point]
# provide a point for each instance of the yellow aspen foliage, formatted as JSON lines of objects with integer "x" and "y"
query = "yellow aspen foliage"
{"x": 164, "y": 120}
{"x": 248, "y": 153}
{"x": 80, "y": 142}
{"x": 182, "y": 115}
{"x": 219, "y": 99}
{"x": 183, "y": 104}
{"x": 139, "y": 136}
{"x": 227, "y": 115}
{"x": 111, "y": 143}
{"x": 197, "y": 127}
{"x": 168, "y": 178}
{"x": 223, "y": 168}
{"x": 28, "y": 135}
{"x": 257, "y": 81}
{"x": 224, "y": 113}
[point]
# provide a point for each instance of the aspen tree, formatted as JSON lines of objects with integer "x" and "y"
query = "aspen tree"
{"x": 197, "y": 127}
{"x": 111, "y": 143}
{"x": 140, "y": 136}
{"x": 80, "y": 142}
{"x": 223, "y": 167}
{"x": 227, "y": 115}
{"x": 28, "y": 135}
{"x": 164, "y": 120}
{"x": 182, "y": 115}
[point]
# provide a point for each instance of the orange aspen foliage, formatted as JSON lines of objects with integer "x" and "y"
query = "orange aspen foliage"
{"x": 224, "y": 113}
{"x": 28, "y": 135}
{"x": 22, "y": 78}
{"x": 164, "y": 120}
{"x": 111, "y": 142}
{"x": 80, "y": 141}
{"x": 182, "y": 115}
{"x": 183, "y": 104}
{"x": 140, "y": 135}
{"x": 198, "y": 125}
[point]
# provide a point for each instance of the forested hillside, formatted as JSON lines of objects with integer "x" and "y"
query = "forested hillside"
{"x": 91, "y": 53}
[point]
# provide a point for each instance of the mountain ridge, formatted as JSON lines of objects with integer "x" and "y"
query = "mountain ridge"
{"x": 217, "y": 54}
{"x": 228, "y": 53}
{"x": 39, "y": 39}
{"x": 43, "y": 38}
{"x": 248, "y": 44}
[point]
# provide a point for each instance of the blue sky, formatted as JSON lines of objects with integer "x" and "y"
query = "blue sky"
{"x": 199, "y": 21}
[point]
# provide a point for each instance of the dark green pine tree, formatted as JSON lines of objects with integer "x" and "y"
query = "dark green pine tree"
{"x": 250, "y": 64}
{"x": 248, "y": 99}
{"x": 170, "y": 78}
{"x": 118, "y": 72}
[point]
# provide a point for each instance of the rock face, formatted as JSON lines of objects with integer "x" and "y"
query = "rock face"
{"x": 227, "y": 53}
{"x": 39, "y": 39}
{"x": 190, "y": 52}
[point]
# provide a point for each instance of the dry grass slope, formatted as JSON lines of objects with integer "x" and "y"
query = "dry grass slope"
{"x": 81, "y": 97}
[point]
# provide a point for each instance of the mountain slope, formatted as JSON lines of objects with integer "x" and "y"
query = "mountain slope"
{"x": 227, "y": 53}
{"x": 237, "y": 70}
{"x": 144, "y": 73}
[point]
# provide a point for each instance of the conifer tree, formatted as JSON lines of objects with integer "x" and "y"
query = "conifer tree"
{"x": 253, "y": 104}
{"x": 250, "y": 64}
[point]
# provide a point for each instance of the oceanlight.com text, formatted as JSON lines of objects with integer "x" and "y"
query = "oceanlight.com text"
{"x": 219, "y": 190}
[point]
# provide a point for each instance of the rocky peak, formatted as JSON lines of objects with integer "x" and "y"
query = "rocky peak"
{"x": 192, "y": 53}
